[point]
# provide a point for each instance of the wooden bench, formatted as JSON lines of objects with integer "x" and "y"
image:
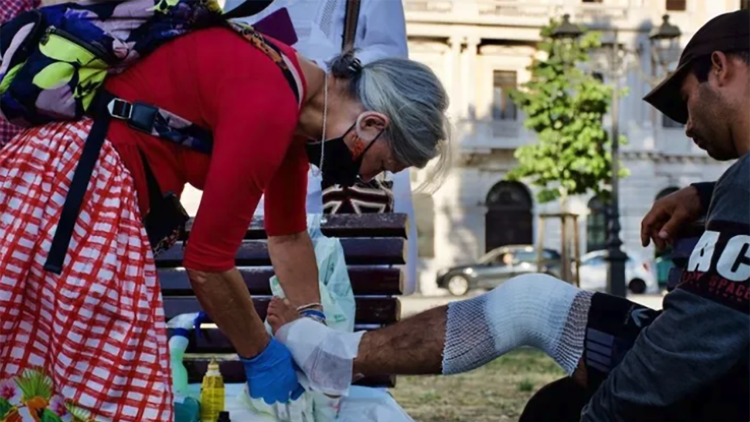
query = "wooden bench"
{"x": 375, "y": 249}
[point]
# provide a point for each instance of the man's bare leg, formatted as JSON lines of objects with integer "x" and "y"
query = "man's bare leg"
{"x": 414, "y": 346}
{"x": 536, "y": 310}
{"x": 411, "y": 347}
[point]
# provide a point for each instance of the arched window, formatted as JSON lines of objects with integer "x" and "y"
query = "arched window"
{"x": 597, "y": 223}
{"x": 509, "y": 216}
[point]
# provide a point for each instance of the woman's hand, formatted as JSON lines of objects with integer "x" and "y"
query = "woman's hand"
{"x": 271, "y": 375}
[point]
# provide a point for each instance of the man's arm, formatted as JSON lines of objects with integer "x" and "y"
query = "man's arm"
{"x": 669, "y": 215}
{"x": 705, "y": 327}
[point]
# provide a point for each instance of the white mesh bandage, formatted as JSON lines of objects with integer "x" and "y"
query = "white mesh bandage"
{"x": 531, "y": 310}
{"x": 326, "y": 356}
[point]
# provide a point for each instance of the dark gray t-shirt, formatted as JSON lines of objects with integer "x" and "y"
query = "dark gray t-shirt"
{"x": 704, "y": 331}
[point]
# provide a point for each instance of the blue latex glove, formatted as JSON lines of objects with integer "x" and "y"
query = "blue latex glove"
{"x": 271, "y": 375}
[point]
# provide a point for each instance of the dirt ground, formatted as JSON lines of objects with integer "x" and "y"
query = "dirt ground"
{"x": 494, "y": 393}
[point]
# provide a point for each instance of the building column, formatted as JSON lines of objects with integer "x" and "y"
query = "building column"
{"x": 469, "y": 78}
{"x": 453, "y": 75}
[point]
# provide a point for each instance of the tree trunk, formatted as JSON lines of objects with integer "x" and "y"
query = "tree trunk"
{"x": 564, "y": 237}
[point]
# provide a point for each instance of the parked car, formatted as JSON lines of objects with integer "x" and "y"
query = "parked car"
{"x": 496, "y": 267}
{"x": 640, "y": 273}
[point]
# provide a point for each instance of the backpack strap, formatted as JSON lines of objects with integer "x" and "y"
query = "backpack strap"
{"x": 164, "y": 124}
{"x": 80, "y": 183}
{"x": 274, "y": 52}
{"x": 161, "y": 123}
{"x": 151, "y": 120}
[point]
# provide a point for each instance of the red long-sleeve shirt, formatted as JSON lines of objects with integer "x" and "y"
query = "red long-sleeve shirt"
{"x": 218, "y": 80}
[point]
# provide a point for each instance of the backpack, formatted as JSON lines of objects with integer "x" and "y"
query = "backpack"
{"x": 54, "y": 61}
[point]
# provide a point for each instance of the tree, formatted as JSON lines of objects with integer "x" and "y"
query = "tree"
{"x": 565, "y": 106}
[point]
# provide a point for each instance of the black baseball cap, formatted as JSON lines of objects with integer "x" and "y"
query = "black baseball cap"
{"x": 727, "y": 32}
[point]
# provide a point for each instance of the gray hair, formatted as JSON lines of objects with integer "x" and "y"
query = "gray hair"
{"x": 414, "y": 100}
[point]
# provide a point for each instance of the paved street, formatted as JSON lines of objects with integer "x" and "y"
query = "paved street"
{"x": 414, "y": 304}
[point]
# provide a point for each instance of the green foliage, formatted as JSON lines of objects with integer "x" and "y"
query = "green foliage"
{"x": 525, "y": 386}
{"x": 565, "y": 106}
{"x": 5, "y": 408}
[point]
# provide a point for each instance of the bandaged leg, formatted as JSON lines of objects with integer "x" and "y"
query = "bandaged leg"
{"x": 325, "y": 356}
{"x": 531, "y": 310}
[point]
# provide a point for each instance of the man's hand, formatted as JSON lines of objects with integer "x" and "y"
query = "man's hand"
{"x": 669, "y": 214}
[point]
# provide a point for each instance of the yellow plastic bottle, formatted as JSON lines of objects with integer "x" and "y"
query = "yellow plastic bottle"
{"x": 212, "y": 393}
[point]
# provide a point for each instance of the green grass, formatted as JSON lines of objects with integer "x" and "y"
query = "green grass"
{"x": 496, "y": 392}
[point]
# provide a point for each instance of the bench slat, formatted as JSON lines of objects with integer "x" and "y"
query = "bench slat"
{"x": 344, "y": 225}
{"x": 213, "y": 342}
{"x": 254, "y": 253}
{"x": 233, "y": 372}
{"x": 370, "y": 310}
{"x": 368, "y": 281}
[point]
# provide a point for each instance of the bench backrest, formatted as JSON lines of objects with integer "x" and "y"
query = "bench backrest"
{"x": 375, "y": 249}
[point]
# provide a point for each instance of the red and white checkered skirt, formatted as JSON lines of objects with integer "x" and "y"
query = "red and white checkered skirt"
{"x": 91, "y": 343}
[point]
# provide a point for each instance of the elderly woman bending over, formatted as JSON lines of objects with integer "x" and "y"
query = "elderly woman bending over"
{"x": 96, "y": 333}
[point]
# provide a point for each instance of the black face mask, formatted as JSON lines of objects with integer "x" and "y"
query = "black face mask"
{"x": 339, "y": 165}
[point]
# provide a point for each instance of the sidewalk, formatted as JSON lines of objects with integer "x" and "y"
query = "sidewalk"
{"x": 415, "y": 304}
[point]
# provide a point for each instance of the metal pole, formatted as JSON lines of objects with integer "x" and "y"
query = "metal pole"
{"x": 564, "y": 249}
{"x": 577, "y": 246}
{"x": 615, "y": 256}
{"x": 540, "y": 243}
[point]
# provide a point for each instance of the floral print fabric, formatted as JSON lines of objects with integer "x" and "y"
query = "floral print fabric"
{"x": 29, "y": 397}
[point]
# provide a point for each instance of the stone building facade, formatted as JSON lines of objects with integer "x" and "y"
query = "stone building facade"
{"x": 481, "y": 49}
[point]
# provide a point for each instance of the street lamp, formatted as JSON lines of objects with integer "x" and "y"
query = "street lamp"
{"x": 664, "y": 41}
{"x": 615, "y": 256}
{"x": 567, "y": 34}
{"x": 616, "y": 283}
{"x": 566, "y": 30}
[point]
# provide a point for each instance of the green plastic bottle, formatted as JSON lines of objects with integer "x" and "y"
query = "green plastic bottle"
{"x": 178, "y": 344}
{"x": 187, "y": 409}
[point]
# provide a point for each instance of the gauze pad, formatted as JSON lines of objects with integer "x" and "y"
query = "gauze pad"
{"x": 326, "y": 356}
